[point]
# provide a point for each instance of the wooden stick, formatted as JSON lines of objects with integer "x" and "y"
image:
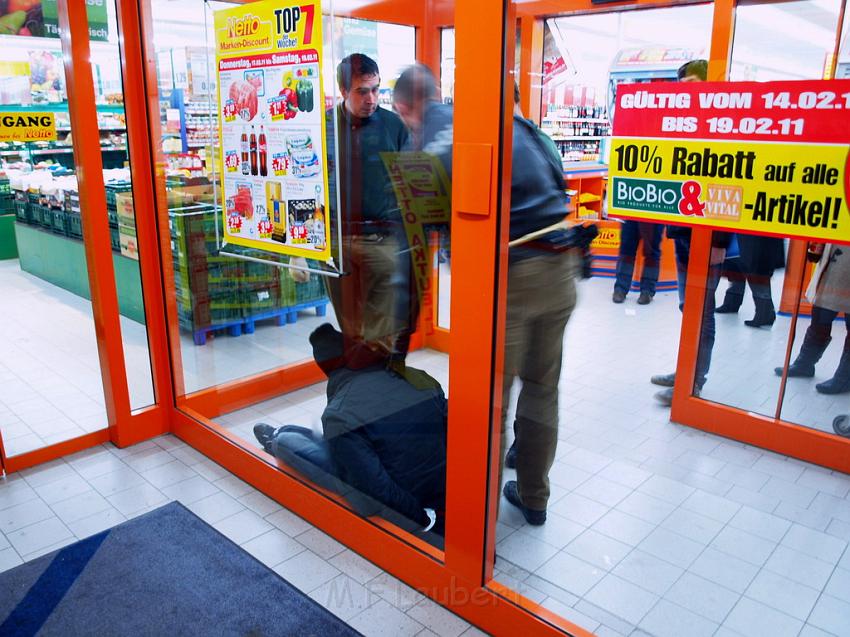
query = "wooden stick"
{"x": 531, "y": 236}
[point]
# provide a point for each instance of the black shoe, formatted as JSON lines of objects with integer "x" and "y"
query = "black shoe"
{"x": 841, "y": 425}
{"x": 264, "y": 434}
{"x": 645, "y": 298}
{"x": 762, "y": 319}
{"x": 618, "y": 296}
{"x": 726, "y": 308}
{"x": 510, "y": 457}
{"x": 532, "y": 516}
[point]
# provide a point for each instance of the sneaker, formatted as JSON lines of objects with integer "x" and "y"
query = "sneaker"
{"x": 645, "y": 298}
{"x": 264, "y": 434}
{"x": 532, "y": 516}
{"x": 618, "y": 296}
{"x": 665, "y": 380}
{"x": 510, "y": 457}
{"x": 665, "y": 396}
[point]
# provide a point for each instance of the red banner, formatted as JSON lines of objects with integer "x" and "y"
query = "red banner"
{"x": 808, "y": 111}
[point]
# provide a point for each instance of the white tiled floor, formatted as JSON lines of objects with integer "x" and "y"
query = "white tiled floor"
{"x": 654, "y": 528}
{"x": 39, "y": 514}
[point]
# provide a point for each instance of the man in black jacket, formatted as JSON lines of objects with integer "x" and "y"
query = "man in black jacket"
{"x": 541, "y": 297}
{"x": 375, "y": 255}
{"x": 384, "y": 438}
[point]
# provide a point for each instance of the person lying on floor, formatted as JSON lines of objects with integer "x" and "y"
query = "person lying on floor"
{"x": 384, "y": 443}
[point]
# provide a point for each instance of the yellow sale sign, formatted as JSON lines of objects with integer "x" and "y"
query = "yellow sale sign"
{"x": 27, "y": 127}
{"x": 272, "y": 127}
{"x": 761, "y": 158}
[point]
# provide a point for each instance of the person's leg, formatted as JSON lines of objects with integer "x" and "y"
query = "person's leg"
{"x": 650, "y": 236}
{"x": 629, "y": 239}
{"x": 840, "y": 381}
{"x": 707, "y": 332}
{"x": 765, "y": 311}
{"x": 737, "y": 284}
{"x": 536, "y": 422}
{"x": 682, "y": 249}
{"x": 815, "y": 342}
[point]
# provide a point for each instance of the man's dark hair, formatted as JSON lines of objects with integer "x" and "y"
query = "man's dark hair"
{"x": 415, "y": 84}
{"x": 516, "y": 93}
{"x": 355, "y": 65}
{"x": 699, "y": 68}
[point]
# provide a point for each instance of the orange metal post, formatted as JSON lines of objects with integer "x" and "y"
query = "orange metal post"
{"x": 531, "y": 66}
{"x": 74, "y": 28}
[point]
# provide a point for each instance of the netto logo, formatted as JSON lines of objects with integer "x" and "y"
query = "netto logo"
{"x": 244, "y": 26}
{"x": 650, "y": 195}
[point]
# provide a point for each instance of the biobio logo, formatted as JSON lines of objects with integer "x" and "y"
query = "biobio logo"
{"x": 650, "y": 195}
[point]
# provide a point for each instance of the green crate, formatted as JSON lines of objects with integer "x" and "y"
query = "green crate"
{"x": 115, "y": 239}
{"x": 43, "y": 215}
{"x": 7, "y": 204}
{"x": 60, "y": 224}
{"x": 74, "y": 224}
{"x": 113, "y": 188}
{"x": 5, "y": 187}
{"x": 24, "y": 212}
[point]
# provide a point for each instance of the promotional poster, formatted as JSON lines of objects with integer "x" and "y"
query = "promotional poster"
{"x": 272, "y": 131}
{"x": 765, "y": 158}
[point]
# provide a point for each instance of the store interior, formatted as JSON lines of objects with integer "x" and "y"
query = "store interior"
{"x": 645, "y": 516}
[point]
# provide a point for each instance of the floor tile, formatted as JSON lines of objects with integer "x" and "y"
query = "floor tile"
{"x": 63, "y": 489}
{"x": 288, "y": 522}
{"x": 764, "y": 525}
{"x": 306, "y": 571}
{"x": 259, "y": 503}
{"x": 839, "y": 585}
{"x": 703, "y": 597}
{"x": 344, "y": 597}
{"x": 116, "y": 481}
{"x": 358, "y": 568}
{"x": 666, "y": 489}
{"x": 24, "y": 514}
{"x": 646, "y": 507}
{"x": 190, "y": 490}
{"x": 783, "y": 594}
{"x": 320, "y": 543}
{"x": 625, "y": 474}
{"x": 579, "y": 509}
{"x": 438, "y": 619}
{"x": 712, "y": 506}
{"x": 603, "y": 490}
{"x": 571, "y": 573}
{"x": 215, "y": 508}
{"x": 811, "y": 631}
{"x": 669, "y": 620}
{"x": 570, "y": 614}
{"x": 382, "y": 619}
{"x": 750, "y": 617}
{"x": 622, "y": 598}
{"x": 558, "y": 530}
{"x": 743, "y": 545}
{"x": 80, "y": 506}
{"x": 167, "y": 474}
{"x": 623, "y": 527}
{"x": 233, "y": 486}
{"x": 100, "y": 521}
{"x": 9, "y": 558}
{"x": 694, "y": 526}
{"x": 600, "y": 550}
{"x": 15, "y": 492}
{"x": 273, "y": 547}
{"x": 830, "y": 614}
{"x": 799, "y": 567}
{"x": 671, "y": 547}
{"x": 136, "y": 498}
{"x": 820, "y": 545}
{"x": 724, "y": 569}
{"x": 394, "y": 591}
{"x": 38, "y": 535}
{"x": 243, "y": 526}
{"x": 648, "y": 571}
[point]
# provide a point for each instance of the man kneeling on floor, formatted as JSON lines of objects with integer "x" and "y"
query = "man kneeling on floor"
{"x": 384, "y": 444}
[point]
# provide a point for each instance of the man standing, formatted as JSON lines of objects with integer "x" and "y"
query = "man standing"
{"x": 375, "y": 259}
{"x": 649, "y": 235}
{"x": 541, "y": 297}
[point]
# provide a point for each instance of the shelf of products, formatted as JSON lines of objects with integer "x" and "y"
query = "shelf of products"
{"x": 578, "y": 131}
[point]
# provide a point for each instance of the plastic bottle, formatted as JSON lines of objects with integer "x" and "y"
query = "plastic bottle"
{"x": 253, "y": 148}
{"x": 264, "y": 171}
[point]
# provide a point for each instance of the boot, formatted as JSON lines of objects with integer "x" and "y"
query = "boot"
{"x": 731, "y": 303}
{"x": 765, "y": 314}
{"x": 840, "y": 382}
{"x": 814, "y": 345}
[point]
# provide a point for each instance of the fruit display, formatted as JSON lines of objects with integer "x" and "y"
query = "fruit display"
{"x": 21, "y": 17}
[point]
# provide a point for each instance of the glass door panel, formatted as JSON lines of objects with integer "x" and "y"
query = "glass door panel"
{"x": 375, "y": 408}
{"x": 757, "y": 293}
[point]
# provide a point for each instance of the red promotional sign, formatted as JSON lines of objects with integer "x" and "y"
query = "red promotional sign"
{"x": 810, "y": 111}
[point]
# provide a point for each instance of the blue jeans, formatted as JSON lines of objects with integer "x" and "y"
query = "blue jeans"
{"x": 632, "y": 233}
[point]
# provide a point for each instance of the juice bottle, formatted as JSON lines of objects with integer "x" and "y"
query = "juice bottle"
{"x": 253, "y": 148}
{"x": 264, "y": 171}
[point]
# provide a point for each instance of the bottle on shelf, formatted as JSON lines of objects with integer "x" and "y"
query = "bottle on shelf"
{"x": 263, "y": 153}
{"x": 246, "y": 167}
{"x": 253, "y": 149}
